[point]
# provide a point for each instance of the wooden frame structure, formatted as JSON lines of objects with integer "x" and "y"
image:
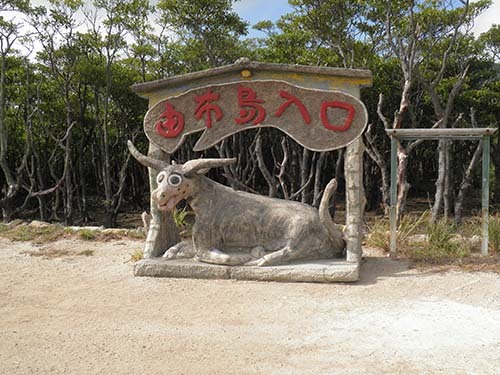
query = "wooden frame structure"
{"x": 483, "y": 134}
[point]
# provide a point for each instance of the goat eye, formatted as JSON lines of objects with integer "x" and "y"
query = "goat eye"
{"x": 174, "y": 180}
{"x": 160, "y": 177}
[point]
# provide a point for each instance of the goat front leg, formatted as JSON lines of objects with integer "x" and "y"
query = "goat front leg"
{"x": 275, "y": 258}
{"x": 184, "y": 249}
{"x": 206, "y": 251}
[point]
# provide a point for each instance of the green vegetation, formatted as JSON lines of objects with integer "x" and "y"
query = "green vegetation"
{"x": 87, "y": 234}
{"x": 379, "y": 234}
{"x": 181, "y": 221}
{"x": 36, "y": 234}
{"x": 494, "y": 233}
{"x": 45, "y": 233}
{"x": 442, "y": 244}
{"x": 435, "y": 243}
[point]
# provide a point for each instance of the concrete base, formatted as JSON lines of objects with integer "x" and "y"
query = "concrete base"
{"x": 319, "y": 271}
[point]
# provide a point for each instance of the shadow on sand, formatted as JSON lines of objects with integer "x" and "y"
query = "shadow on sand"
{"x": 374, "y": 268}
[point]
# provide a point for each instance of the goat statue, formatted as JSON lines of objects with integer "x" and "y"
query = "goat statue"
{"x": 238, "y": 228}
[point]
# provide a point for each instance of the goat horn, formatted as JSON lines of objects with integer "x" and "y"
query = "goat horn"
{"x": 145, "y": 160}
{"x": 192, "y": 166}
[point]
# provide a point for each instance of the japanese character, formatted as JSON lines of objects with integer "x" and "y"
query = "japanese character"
{"x": 205, "y": 106}
{"x": 170, "y": 123}
{"x": 253, "y": 111}
{"x": 324, "y": 115}
{"x": 293, "y": 100}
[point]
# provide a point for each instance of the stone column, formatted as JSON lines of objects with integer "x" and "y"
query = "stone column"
{"x": 162, "y": 232}
{"x": 355, "y": 200}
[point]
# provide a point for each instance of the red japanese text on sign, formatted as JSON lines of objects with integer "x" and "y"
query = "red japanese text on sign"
{"x": 206, "y": 107}
{"x": 250, "y": 107}
{"x": 293, "y": 100}
{"x": 170, "y": 123}
{"x": 336, "y": 104}
{"x": 320, "y": 120}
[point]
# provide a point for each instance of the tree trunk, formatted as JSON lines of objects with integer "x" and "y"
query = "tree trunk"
{"x": 467, "y": 182}
{"x": 271, "y": 181}
{"x": 317, "y": 180}
{"x": 305, "y": 167}
{"x": 109, "y": 220}
{"x": 404, "y": 186}
{"x": 440, "y": 181}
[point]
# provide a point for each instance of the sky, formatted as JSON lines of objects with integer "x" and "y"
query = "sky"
{"x": 488, "y": 18}
{"x": 254, "y": 11}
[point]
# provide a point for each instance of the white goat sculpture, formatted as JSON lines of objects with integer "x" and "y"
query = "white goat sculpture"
{"x": 234, "y": 227}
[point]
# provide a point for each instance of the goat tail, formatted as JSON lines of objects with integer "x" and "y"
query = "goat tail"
{"x": 334, "y": 231}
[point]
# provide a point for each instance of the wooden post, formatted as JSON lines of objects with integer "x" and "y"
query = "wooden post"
{"x": 394, "y": 195}
{"x": 485, "y": 201}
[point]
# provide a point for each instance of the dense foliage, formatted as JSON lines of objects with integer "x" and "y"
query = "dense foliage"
{"x": 66, "y": 108}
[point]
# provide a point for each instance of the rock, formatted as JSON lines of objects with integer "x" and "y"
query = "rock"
{"x": 418, "y": 239}
{"x": 39, "y": 224}
{"x": 16, "y": 223}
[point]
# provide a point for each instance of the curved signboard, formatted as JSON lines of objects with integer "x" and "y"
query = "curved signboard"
{"x": 319, "y": 120}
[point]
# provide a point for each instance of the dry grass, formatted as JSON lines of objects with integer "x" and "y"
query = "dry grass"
{"x": 494, "y": 233}
{"x": 45, "y": 233}
{"x": 136, "y": 256}
{"x": 51, "y": 253}
{"x": 442, "y": 243}
{"x": 379, "y": 232}
{"x": 35, "y": 234}
{"x": 48, "y": 253}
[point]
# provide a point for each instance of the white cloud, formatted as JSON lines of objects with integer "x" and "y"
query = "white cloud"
{"x": 489, "y": 17}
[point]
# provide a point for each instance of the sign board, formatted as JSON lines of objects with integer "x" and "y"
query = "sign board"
{"x": 319, "y": 120}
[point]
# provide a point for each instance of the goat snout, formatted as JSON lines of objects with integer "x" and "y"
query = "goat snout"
{"x": 166, "y": 199}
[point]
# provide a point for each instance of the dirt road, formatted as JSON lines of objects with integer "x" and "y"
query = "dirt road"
{"x": 87, "y": 314}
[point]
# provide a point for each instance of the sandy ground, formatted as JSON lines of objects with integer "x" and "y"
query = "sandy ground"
{"x": 77, "y": 314}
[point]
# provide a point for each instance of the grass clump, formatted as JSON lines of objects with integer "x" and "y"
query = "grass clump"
{"x": 87, "y": 234}
{"x": 136, "y": 256}
{"x": 379, "y": 235}
{"x": 181, "y": 221}
{"x": 494, "y": 233}
{"x": 86, "y": 253}
{"x": 136, "y": 234}
{"x": 442, "y": 244}
{"x": 36, "y": 234}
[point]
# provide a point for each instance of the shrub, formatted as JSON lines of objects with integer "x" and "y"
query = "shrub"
{"x": 494, "y": 233}
{"x": 87, "y": 234}
{"x": 379, "y": 235}
{"x": 442, "y": 244}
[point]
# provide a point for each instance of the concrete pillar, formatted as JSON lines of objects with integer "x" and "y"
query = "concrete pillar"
{"x": 355, "y": 199}
{"x": 162, "y": 232}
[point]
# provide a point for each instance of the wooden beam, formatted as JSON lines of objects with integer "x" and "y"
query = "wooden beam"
{"x": 469, "y": 133}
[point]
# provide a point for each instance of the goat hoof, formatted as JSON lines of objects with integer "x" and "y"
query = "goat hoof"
{"x": 258, "y": 252}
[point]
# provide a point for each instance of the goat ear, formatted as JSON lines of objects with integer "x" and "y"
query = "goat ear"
{"x": 203, "y": 165}
{"x": 203, "y": 171}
